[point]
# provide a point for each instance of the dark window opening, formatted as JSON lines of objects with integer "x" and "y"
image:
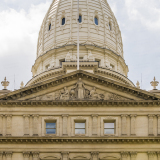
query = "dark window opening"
{"x": 51, "y": 128}
{"x": 99, "y": 61}
{"x": 63, "y": 21}
{"x": 96, "y": 20}
{"x": 80, "y": 19}
{"x": 110, "y": 26}
{"x": 61, "y": 61}
{"x": 49, "y": 27}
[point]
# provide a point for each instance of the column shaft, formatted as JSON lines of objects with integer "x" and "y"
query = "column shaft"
{"x": 150, "y": 125}
{"x": 94, "y": 124}
{"x": 9, "y": 125}
{"x": 65, "y": 124}
{"x": 133, "y": 123}
{"x": 124, "y": 124}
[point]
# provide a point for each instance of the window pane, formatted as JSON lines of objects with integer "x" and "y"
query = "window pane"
{"x": 79, "y": 125}
{"x": 108, "y": 125}
{"x": 79, "y": 131}
{"x": 96, "y": 21}
{"x": 63, "y": 21}
{"x": 80, "y": 18}
{"x": 50, "y": 131}
{"x": 49, "y": 27}
{"x": 50, "y": 125}
{"x": 108, "y": 131}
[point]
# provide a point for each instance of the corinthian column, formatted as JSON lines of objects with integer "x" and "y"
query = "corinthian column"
{"x": 150, "y": 125}
{"x": 65, "y": 124}
{"x": 65, "y": 155}
{"x": 124, "y": 124}
{"x": 151, "y": 155}
{"x": 158, "y": 155}
{"x": 133, "y": 123}
{"x": 158, "y": 129}
{"x": 94, "y": 155}
{"x": 1, "y": 125}
{"x": 1, "y": 155}
{"x": 35, "y": 155}
{"x": 94, "y": 124}
{"x": 26, "y": 125}
{"x": 8, "y": 155}
{"x": 8, "y": 125}
{"x": 35, "y": 125}
{"x": 133, "y": 155}
{"x": 26, "y": 155}
{"x": 124, "y": 155}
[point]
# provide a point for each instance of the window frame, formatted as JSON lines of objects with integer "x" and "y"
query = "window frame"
{"x": 51, "y": 128}
{"x": 109, "y": 121}
{"x": 96, "y": 17}
{"x": 79, "y": 18}
{"x": 49, "y": 27}
{"x": 62, "y": 21}
{"x": 79, "y": 128}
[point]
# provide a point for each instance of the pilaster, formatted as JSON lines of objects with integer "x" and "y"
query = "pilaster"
{"x": 158, "y": 125}
{"x": 150, "y": 125}
{"x": 133, "y": 124}
{"x": 94, "y": 124}
{"x": 65, "y": 155}
{"x": 26, "y": 155}
{"x": 124, "y": 155}
{"x": 65, "y": 124}
{"x": 35, "y": 125}
{"x": 35, "y": 155}
{"x": 133, "y": 155}
{"x": 124, "y": 125}
{"x": 95, "y": 155}
{"x": 158, "y": 155}
{"x": 1, "y": 155}
{"x": 8, "y": 155}
{"x": 26, "y": 125}
{"x": 151, "y": 155}
{"x": 8, "y": 125}
{"x": 1, "y": 125}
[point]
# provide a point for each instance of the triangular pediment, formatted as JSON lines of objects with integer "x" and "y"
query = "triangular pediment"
{"x": 80, "y": 85}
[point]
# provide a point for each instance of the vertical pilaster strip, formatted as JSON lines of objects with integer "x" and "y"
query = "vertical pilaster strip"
{"x": 95, "y": 155}
{"x": 133, "y": 123}
{"x": 124, "y": 124}
{"x": 151, "y": 155}
{"x": 1, "y": 155}
{"x": 94, "y": 124}
{"x": 158, "y": 125}
{"x": 124, "y": 155}
{"x": 8, "y": 155}
{"x": 26, "y": 125}
{"x": 35, "y": 125}
{"x": 35, "y": 155}
{"x": 26, "y": 155}
{"x": 8, "y": 125}
{"x": 158, "y": 155}
{"x": 65, "y": 124}
{"x": 150, "y": 125}
{"x": 1, "y": 125}
{"x": 65, "y": 155}
{"x": 133, "y": 155}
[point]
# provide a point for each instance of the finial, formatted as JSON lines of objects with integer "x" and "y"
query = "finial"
{"x": 154, "y": 83}
{"x": 5, "y": 83}
{"x": 138, "y": 85}
{"x": 22, "y": 85}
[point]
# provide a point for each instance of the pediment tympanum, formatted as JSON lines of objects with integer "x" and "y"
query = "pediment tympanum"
{"x": 80, "y": 91}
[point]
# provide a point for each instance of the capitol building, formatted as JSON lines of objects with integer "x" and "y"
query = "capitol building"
{"x": 91, "y": 113}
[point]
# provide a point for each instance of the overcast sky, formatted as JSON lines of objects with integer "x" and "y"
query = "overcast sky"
{"x": 20, "y": 21}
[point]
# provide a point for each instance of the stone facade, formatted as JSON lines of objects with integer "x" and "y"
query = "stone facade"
{"x": 95, "y": 113}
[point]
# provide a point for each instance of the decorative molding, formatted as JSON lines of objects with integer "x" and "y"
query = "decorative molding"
{"x": 151, "y": 155}
{"x": 133, "y": 155}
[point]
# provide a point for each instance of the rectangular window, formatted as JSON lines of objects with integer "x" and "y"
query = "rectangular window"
{"x": 109, "y": 128}
{"x": 50, "y": 127}
{"x": 80, "y": 128}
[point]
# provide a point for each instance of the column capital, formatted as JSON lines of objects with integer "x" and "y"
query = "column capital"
{"x": 133, "y": 154}
{"x": 1, "y": 154}
{"x": 133, "y": 115}
{"x": 35, "y": 115}
{"x": 26, "y": 115}
{"x": 94, "y": 115}
{"x": 151, "y": 115}
{"x": 151, "y": 154}
{"x": 94, "y": 154}
{"x": 124, "y": 115}
{"x": 1, "y": 115}
{"x": 65, "y": 115}
{"x": 65, "y": 153}
{"x": 26, "y": 154}
{"x": 124, "y": 154}
{"x": 35, "y": 154}
{"x": 158, "y": 115}
{"x": 8, "y": 154}
{"x": 8, "y": 115}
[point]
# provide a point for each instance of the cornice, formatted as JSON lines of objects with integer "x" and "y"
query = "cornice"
{"x": 64, "y": 140}
{"x": 84, "y": 75}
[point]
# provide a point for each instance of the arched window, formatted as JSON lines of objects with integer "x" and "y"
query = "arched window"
{"x": 110, "y": 26}
{"x": 96, "y": 20}
{"x": 63, "y": 21}
{"x": 49, "y": 28}
{"x": 80, "y": 18}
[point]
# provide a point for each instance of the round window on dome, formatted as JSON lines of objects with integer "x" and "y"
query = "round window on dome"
{"x": 63, "y": 21}
{"x": 49, "y": 28}
{"x": 80, "y": 19}
{"x": 96, "y": 20}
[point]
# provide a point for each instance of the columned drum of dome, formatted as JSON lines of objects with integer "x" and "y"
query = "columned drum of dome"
{"x": 99, "y": 39}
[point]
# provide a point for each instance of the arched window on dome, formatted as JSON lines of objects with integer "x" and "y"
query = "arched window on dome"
{"x": 63, "y": 21}
{"x": 96, "y": 20}
{"x": 110, "y": 26}
{"x": 80, "y": 18}
{"x": 49, "y": 28}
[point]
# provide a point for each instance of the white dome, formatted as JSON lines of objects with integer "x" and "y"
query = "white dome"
{"x": 90, "y": 33}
